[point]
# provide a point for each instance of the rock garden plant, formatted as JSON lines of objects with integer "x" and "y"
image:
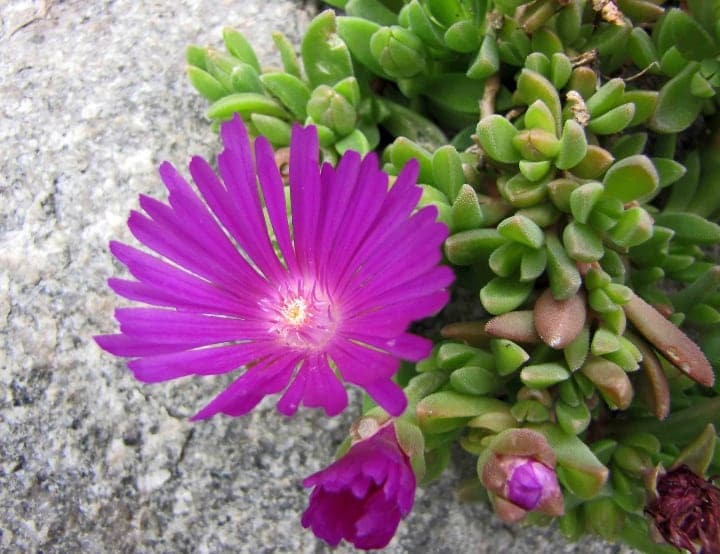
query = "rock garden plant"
{"x": 497, "y": 218}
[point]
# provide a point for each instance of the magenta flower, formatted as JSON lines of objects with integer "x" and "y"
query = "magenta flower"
{"x": 302, "y": 306}
{"x": 362, "y": 496}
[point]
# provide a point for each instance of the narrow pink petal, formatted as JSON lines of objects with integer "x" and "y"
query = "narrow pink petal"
{"x": 194, "y": 215}
{"x": 168, "y": 326}
{"x": 403, "y": 240}
{"x": 155, "y": 296}
{"x": 207, "y": 361}
{"x": 250, "y": 219}
{"x": 389, "y": 396}
{"x": 304, "y": 180}
{"x": 177, "y": 249}
{"x": 130, "y": 347}
{"x": 420, "y": 242}
{"x": 186, "y": 287}
{"x": 180, "y": 298}
{"x": 360, "y": 214}
{"x": 361, "y": 365}
{"x": 274, "y": 196}
{"x": 248, "y": 390}
{"x": 432, "y": 281}
{"x": 323, "y": 389}
{"x": 193, "y": 232}
{"x": 235, "y": 212}
{"x": 399, "y": 204}
{"x": 405, "y": 346}
{"x": 394, "y": 318}
{"x": 339, "y": 188}
{"x": 292, "y": 397}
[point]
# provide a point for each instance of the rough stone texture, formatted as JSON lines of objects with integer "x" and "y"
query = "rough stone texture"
{"x": 93, "y": 96}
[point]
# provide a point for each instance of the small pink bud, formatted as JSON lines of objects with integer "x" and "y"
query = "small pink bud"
{"x": 520, "y": 475}
{"x": 529, "y": 482}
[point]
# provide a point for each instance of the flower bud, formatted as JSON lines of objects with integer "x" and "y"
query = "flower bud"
{"x": 528, "y": 481}
{"x": 362, "y": 496}
{"x": 519, "y": 473}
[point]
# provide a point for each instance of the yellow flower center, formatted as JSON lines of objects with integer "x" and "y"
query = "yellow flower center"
{"x": 295, "y": 311}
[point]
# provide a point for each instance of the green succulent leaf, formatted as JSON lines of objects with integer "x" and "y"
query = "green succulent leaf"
{"x": 462, "y": 36}
{"x": 606, "y": 97}
{"x": 244, "y": 103}
{"x": 573, "y": 145}
{"x": 677, "y": 108}
{"x": 469, "y": 246}
{"x": 325, "y": 55}
{"x": 593, "y": 166}
{"x": 564, "y": 276}
{"x": 582, "y": 243}
{"x": 578, "y": 468}
{"x": 688, "y": 35}
{"x": 446, "y": 410}
{"x": 289, "y": 58}
{"x": 542, "y": 376}
{"x": 373, "y": 10}
{"x": 399, "y": 51}
{"x": 509, "y": 356}
{"x": 495, "y": 134}
{"x": 504, "y": 295}
{"x": 356, "y": 33}
{"x": 239, "y": 47}
{"x": 691, "y": 227}
{"x": 291, "y": 91}
{"x": 206, "y": 84}
{"x": 631, "y": 178}
{"x": 532, "y": 86}
{"x": 414, "y": 16}
{"x": 645, "y": 102}
{"x": 276, "y": 130}
{"x": 613, "y": 121}
{"x": 487, "y": 61}
{"x": 522, "y": 230}
{"x": 331, "y": 109}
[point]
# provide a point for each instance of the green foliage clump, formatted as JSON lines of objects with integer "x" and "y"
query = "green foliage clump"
{"x": 581, "y": 187}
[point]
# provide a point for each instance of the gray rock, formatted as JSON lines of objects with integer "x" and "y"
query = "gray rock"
{"x": 93, "y": 96}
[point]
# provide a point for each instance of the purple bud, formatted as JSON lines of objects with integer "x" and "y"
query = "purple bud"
{"x": 529, "y": 481}
{"x": 362, "y": 496}
{"x": 520, "y": 475}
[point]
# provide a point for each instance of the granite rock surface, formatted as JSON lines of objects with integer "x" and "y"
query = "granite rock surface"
{"x": 93, "y": 97}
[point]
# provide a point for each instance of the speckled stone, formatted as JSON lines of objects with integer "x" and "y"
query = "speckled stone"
{"x": 92, "y": 97}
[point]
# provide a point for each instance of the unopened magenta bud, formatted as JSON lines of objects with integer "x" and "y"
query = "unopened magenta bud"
{"x": 529, "y": 481}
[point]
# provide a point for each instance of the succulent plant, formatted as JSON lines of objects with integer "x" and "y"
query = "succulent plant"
{"x": 581, "y": 187}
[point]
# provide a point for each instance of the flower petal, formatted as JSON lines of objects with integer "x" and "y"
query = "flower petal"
{"x": 247, "y": 391}
{"x": 389, "y": 396}
{"x": 274, "y": 196}
{"x": 304, "y": 180}
{"x": 206, "y": 361}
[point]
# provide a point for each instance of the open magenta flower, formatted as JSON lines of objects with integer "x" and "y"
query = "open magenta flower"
{"x": 362, "y": 496}
{"x": 302, "y": 304}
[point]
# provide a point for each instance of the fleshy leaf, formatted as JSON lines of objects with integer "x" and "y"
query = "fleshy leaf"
{"x": 631, "y": 178}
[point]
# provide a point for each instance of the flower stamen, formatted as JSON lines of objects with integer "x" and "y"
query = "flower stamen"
{"x": 295, "y": 311}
